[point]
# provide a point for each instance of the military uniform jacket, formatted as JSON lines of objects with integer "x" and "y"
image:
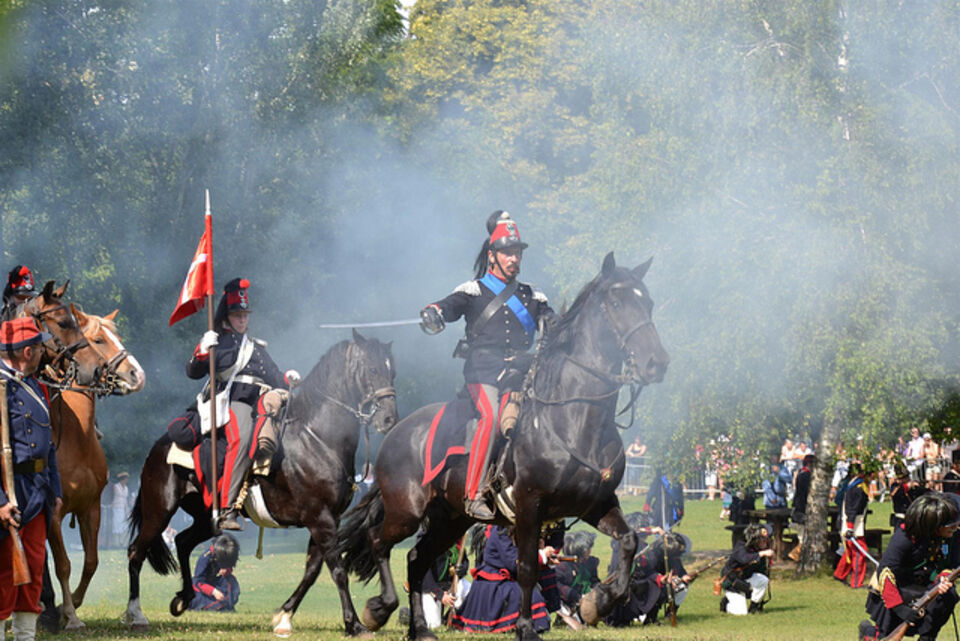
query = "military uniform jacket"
{"x": 31, "y": 441}
{"x": 910, "y": 564}
{"x": 259, "y": 369}
{"x": 505, "y": 334}
{"x": 801, "y": 491}
{"x": 743, "y": 564}
{"x": 855, "y": 508}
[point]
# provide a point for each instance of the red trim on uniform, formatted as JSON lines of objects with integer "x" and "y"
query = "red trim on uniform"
{"x": 890, "y": 593}
{"x": 232, "y": 433}
{"x": 478, "y": 448}
{"x": 431, "y": 471}
{"x": 537, "y": 611}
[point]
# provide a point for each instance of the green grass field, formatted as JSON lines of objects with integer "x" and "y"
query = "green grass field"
{"x": 817, "y": 608}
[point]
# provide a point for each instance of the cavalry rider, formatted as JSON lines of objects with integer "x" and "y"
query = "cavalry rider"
{"x": 255, "y": 389}
{"x": 18, "y": 290}
{"x": 501, "y": 320}
{"x": 36, "y": 479}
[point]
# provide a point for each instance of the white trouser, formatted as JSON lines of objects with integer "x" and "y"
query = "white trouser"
{"x": 24, "y": 626}
{"x": 433, "y": 609}
{"x": 737, "y": 603}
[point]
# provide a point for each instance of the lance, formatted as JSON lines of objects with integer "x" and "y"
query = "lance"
{"x": 214, "y": 491}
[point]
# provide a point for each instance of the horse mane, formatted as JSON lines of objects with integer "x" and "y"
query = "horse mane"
{"x": 328, "y": 367}
{"x": 564, "y": 330}
{"x": 100, "y": 322}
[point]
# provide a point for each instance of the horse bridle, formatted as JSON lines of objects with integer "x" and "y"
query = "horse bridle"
{"x": 371, "y": 399}
{"x": 105, "y": 374}
{"x": 631, "y": 374}
{"x": 108, "y": 373}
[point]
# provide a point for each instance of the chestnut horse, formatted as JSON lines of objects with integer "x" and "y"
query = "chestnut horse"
{"x": 83, "y": 465}
{"x": 310, "y": 485}
{"x": 564, "y": 459}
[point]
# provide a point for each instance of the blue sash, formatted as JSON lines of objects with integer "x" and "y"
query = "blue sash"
{"x": 496, "y": 285}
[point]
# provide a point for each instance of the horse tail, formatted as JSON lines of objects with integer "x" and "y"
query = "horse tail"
{"x": 354, "y": 545}
{"x": 158, "y": 554}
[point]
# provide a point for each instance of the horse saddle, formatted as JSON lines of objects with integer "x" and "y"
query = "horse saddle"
{"x": 198, "y": 460}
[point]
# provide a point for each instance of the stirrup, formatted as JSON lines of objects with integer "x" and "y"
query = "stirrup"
{"x": 479, "y": 509}
{"x": 231, "y": 520}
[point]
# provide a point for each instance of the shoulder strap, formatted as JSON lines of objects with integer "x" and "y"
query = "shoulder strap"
{"x": 22, "y": 383}
{"x": 244, "y": 354}
{"x": 492, "y": 307}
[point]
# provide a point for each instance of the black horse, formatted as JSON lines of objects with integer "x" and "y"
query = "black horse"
{"x": 565, "y": 457}
{"x": 311, "y": 486}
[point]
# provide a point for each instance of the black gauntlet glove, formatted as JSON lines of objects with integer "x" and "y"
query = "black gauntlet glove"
{"x": 431, "y": 321}
{"x": 907, "y": 614}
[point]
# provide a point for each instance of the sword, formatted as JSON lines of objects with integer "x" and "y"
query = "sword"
{"x": 411, "y": 321}
{"x": 863, "y": 550}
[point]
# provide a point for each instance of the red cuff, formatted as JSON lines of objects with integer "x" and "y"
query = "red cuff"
{"x": 197, "y": 355}
{"x": 891, "y": 595}
{"x": 849, "y": 526}
{"x": 206, "y": 588}
{"x": 646, "y": 507}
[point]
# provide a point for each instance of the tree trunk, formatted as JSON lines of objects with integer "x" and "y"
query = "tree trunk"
{"x": 815, "y": 550}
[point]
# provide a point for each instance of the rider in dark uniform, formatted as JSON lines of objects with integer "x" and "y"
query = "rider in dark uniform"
{"x": 18, "y": 290}
{"x": 498, "y": 335}
{"x": 256, "y": 393}
{"x": 921, "y": 551}
{"x": 36, "y": 478}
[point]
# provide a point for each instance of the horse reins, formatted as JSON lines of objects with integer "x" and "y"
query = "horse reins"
{"x": 371, "y": 399}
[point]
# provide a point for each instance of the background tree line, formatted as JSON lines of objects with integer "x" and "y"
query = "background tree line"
{"x": 793, "y": 167}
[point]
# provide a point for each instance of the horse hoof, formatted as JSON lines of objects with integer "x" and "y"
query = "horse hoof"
{"x": 177, "y": 606}
{"x": 369, "y": 622}
{"x": 588, "y": 609}
{"x": 74, "y": 625}
{"x": 282, "y": 626}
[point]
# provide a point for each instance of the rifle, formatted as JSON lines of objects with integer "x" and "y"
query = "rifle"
{"x": 454, "y": 583}
{"x": 693, "y": 575}
{"x": 560, "y": 558}
{"x": 671, "y": 593}
{"x": 901, "y": 630}
{"x": 21, "y": 572}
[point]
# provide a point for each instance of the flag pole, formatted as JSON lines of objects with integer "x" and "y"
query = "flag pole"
{"x": 215, "y": 507}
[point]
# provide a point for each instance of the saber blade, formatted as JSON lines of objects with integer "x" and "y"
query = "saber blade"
{"x": 411, "y": 321}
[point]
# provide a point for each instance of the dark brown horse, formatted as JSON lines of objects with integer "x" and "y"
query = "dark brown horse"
{"x": 565, "y": 457}
{"x": 312, "y": 484}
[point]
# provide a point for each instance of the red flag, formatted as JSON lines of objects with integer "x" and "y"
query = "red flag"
{"x": 199, "y": 281}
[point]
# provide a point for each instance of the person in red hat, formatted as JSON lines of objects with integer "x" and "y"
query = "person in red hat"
{"x": 256, "y": 390}
{"x": 501, "y": 321}
{"x": 36, "y": 479}
{"x": 18, "y": 290}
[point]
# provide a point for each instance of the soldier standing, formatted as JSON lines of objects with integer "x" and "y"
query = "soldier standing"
{"x": 36, "y": 480}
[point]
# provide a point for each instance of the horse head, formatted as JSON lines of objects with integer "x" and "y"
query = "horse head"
{"x": 628, "y": 309}
{"x": 371, "y": 366}
{"x": 60, "y": 352}
{"x": 117, "y": 370}
{"x": 612, "y": 319}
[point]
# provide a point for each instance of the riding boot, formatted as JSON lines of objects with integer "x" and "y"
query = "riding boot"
{"x": 231, "y": 520}
{"x": 24, "y": 626}
{"x": 266, "y": 447}
{"x": 269, "y": 408}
